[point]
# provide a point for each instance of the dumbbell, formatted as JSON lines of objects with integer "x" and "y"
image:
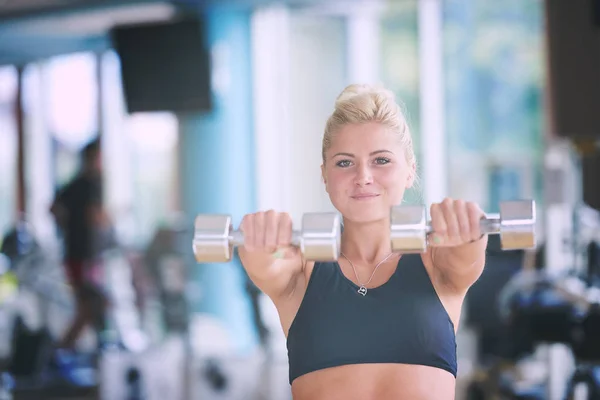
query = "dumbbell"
{"x": 515, "y": 224}
{"x": 214, "y": 237}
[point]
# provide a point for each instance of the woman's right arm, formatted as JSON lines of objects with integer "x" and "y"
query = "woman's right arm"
{"x": 264, "y": 234}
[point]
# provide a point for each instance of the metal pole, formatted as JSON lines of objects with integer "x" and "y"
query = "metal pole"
{"x": 435, "y": 179}
{"x": 20, "y": 122}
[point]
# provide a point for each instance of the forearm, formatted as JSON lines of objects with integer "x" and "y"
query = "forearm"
{"x": 461, "y": 265}
{"x": 274, "y": 277}
{"x": 468, "y": 253}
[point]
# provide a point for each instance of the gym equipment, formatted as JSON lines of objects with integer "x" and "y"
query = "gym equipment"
{"x": 540, "y": 308}
{"x": 19, "y": 241}
{"x": 135, "y": 387}
{"x": 214, "y": 238}
{"x": 7, "y": 384}
{"x": 481, "y": 303}
{"x": 504, "y": 382}
{"x": 515, "y": 224}
{"x": 546, "y": 309}
{"x": 169, "y": 296}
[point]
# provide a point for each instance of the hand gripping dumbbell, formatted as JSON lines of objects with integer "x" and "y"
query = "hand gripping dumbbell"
{"x": 515, "y": 224}
{"x": 214, "y": 237}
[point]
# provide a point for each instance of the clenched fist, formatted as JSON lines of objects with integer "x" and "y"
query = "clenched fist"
{"x": 455, "y": 222}
{"x": 268, "y": 232}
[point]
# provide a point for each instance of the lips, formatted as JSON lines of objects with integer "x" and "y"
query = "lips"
{"x": 364, "y": 196}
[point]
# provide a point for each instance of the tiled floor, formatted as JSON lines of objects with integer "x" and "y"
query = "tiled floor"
{"x": 247, "y": 378}
{"x": 250, "y": 377}
{"x": 162, "y": 378}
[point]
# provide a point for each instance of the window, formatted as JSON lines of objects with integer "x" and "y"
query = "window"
{"x": 494, "y": 81}
{"x": 8, "y": 148}
{"x": 140, "y": 162}
{"x": 70, "y": 84}
{"x": 39, "y": 171}
{"x": 61, "y": 116}
{"x": 317, "y": 76}
{"x": 400, "y": 70}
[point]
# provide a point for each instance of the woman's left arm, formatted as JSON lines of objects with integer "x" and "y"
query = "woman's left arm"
{"x": 457, "y": 244}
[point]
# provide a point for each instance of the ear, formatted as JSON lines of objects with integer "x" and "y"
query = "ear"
{"x": 410, "y": 179}
{"x": 323, "y": 176}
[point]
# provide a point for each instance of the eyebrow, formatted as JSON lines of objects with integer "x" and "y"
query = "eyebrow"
{"x": 371, "y": 154}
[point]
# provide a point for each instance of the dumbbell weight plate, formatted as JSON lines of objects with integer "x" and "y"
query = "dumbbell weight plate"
{"x": 517, "y": 224}
{"x": 408, "y": 229}
{"x": 321, "y": 237}
{"x": 211, "y": 238}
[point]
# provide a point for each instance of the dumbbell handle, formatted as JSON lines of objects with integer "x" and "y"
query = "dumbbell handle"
{"x": 491, "y": 224}
{"x": 236, "y": 238}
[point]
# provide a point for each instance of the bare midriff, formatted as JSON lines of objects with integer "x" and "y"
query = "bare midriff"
{"x": 375, "y": 382}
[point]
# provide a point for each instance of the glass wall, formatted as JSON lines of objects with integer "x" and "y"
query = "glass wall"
{"x": 493, "y": 74}
{"x": 493, "y": 60}
{"x": 61, "y": 109}
{"x": 400, "y": 70}
{"x": 140, "y": 162}
{"x": 8, "y": 147}
{"x": 317, "y": 76}
{"x": 39, "y": 165}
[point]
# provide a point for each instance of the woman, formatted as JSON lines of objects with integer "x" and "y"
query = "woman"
{"x": 375, "y": 324}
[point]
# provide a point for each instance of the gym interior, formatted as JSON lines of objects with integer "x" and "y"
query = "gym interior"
{"x": 218, "y": 107}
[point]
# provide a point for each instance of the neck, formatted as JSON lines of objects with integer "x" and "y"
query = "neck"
{"x": 366, "y": 243}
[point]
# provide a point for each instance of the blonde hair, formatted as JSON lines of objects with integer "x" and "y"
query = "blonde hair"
{"x": 359, "y": 104}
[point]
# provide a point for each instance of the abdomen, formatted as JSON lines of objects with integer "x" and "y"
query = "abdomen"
{"x": 375, "y": 382}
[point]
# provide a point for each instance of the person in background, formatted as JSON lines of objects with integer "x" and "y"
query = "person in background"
{"x": 80, "y": 215}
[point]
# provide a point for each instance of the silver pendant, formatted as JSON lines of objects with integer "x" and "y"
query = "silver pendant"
{"x": 362, "y": 290}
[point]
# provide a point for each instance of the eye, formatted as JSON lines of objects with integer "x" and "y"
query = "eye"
{"x": 343, "y": 163}
{"x": 382, "y": 160}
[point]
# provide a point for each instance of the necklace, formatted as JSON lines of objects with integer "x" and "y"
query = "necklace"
{"x": 363, "y": 288}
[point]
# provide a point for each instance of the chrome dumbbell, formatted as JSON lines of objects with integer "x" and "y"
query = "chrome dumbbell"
{"x": 214, "y": 237}
{"x": 515, "y": 224}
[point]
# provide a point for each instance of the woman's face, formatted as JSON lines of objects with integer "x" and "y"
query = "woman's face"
{"x": 366, "y": 172}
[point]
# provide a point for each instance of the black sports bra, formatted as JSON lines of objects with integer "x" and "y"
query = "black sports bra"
{"x": 402, "y": 321}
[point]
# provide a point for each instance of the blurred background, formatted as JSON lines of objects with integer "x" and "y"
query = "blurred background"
{"x": 218, "y": 106}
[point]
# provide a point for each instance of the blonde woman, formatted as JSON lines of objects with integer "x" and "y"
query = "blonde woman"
{"x": 376, "y": 324}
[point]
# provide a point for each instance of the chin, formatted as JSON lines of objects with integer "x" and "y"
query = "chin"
{"x": 365, "y": 215}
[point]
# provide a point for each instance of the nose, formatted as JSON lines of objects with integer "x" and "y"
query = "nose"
{"x": 363, "y": 176}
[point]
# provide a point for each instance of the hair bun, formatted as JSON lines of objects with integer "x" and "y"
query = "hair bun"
{"x": 360, "y": 89}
